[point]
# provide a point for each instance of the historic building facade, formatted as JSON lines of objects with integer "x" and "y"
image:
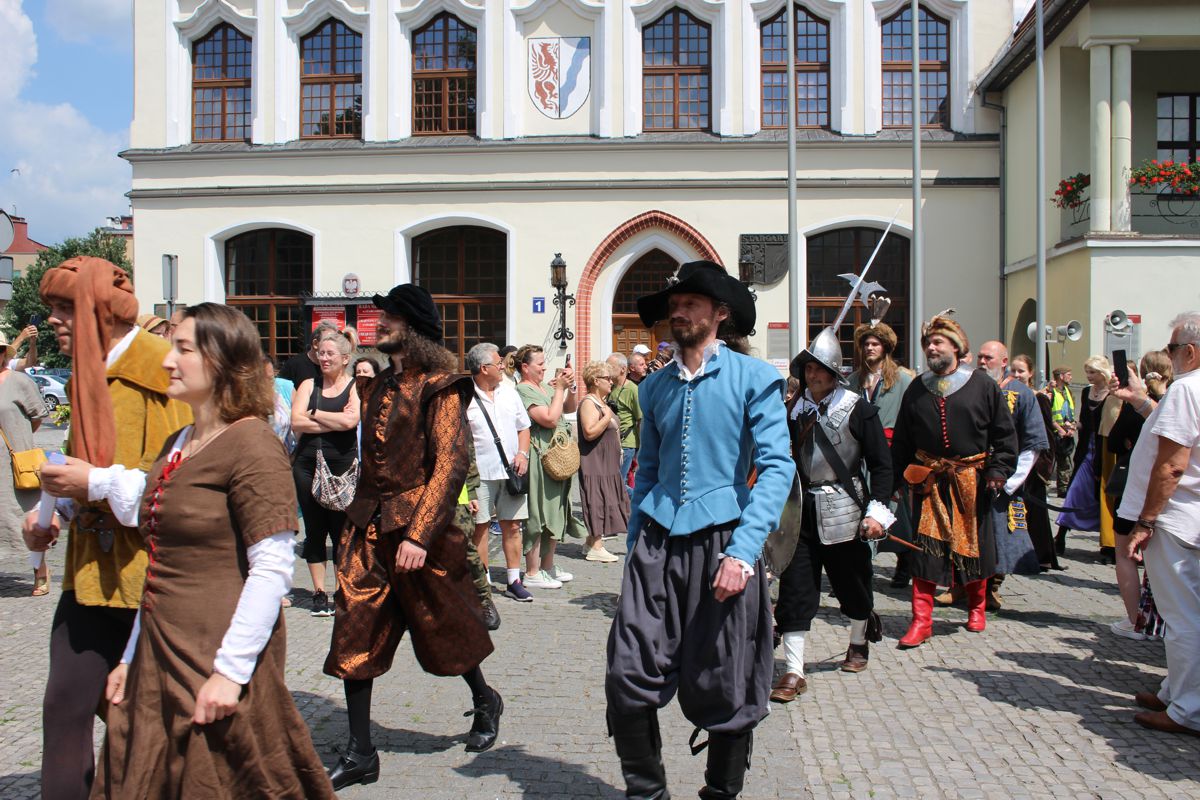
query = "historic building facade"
{"x": 299, "y": 155}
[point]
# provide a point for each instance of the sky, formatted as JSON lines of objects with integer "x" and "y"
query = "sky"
{"x": 66, "y": 101}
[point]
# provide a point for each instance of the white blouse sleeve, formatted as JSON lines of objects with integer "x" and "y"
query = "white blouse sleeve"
{"x": 131, "y": 643}
{"x": 258, "y": 606}
{"x": 121, "y": 487}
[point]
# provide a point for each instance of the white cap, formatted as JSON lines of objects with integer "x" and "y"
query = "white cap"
{"x": 641, "y": 349}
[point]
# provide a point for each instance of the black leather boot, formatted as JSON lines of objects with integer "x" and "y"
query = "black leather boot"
{"x": 728, "y": 759}
{"x": 491, "y": 615}
{"x": 355, "y": 767}
{"x": 486, "y": 726}
{"x": 901, "y": 577}
{"x": 640, "y": 750}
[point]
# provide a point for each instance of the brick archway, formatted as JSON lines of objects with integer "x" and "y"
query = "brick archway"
{"x": 650, "y": 220}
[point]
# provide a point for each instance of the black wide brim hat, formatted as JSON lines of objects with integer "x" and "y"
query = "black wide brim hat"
{"x": 711, "y": 280}
{"x": 416, "y": 306}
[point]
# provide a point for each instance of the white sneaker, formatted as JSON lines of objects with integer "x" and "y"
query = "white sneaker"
{"x": 540, "y": 580}
{"x": 601, "y": 555}
{"x": 1123, "y": 627}
{"x": 561, "y": 575}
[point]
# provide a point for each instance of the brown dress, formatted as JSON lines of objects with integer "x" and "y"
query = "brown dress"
{"x": 198, "y": 517}
{"x": 601, "y": 490}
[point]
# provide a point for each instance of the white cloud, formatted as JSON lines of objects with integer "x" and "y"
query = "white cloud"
{"x": 19, "y": 46}
{"x": 101, "y": 21}
{"x": 67, "y": 176}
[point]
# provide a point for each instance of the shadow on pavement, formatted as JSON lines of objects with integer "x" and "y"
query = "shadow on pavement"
{"x": 20, "y": 584}
{"x": 538, "y": 777}
{"x": 1162, "y": 756}
{"x": 604, "y": 602}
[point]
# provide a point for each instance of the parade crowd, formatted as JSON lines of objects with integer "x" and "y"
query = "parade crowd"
{"x": 190, "y": 463}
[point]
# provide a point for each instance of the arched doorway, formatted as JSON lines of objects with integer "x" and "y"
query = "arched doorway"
{"x": 266, "y": 272}
{"x": 647, "y": 275}
{"x": 465, "y": 268}
{"x": 846, "y": 250}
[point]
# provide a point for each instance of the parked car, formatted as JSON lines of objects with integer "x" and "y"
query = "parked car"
{"x": 53, "y": 390}
{"x": 62, "y": 373}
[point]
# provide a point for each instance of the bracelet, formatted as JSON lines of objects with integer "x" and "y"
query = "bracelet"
{"x": 1141, "y": 410}
{"x": 523, "y": 453}
{"x": 1148, "y": 524}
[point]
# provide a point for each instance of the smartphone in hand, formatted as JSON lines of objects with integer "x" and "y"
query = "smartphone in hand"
{"x": 1121, "y": 367}
{"x": 35, "y": 319}
{"x": 568, "y": 360}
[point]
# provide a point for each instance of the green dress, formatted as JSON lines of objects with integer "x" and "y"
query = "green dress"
{"x": 549, "y": 500}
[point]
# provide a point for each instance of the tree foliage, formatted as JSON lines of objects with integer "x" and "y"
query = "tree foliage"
{"x": 26, "y": 302}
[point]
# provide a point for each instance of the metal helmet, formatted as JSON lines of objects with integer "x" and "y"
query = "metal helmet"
{"x": 826, "y": 350}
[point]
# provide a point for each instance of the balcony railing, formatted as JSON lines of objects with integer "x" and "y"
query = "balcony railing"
{"x": 1151, "y": 212}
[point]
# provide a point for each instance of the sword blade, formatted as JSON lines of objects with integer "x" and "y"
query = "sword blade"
{"x": 862, "y": 276}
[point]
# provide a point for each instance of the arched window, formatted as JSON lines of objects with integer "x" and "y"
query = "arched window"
{"x": 897, "y": 70}
{"x": 846, "y": 250}
{"x": 221, "y": 64}
{"x": 676, "y": 89}
{"x": 266, "y": 272}
{"x": 465, "y": 268}
{"x": 647, "y": 275}
{"x": 444, "y": 77}
{"x": 331, "y": 82}
{"x": 812, "y": 71}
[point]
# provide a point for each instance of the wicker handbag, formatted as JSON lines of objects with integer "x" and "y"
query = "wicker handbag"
{"x": 561, "y": 459}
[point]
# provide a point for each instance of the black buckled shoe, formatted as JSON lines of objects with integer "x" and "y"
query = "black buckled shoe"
{"x": 355, "y": 767}
{"x": 486, "y": 727}
{"x": 491, "y": 615}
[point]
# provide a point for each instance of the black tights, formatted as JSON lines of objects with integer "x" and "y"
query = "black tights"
{"x": 358, "y": 705}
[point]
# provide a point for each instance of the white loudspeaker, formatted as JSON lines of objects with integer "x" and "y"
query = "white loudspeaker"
{"x": 1118, "y": 320}
{"x": 1031, "y": 332}
{"x": 1072, "y": 331}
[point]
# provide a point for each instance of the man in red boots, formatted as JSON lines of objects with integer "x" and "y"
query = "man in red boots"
{"x": 955, "y": 445}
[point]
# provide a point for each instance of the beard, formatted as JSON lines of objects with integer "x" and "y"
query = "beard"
{"x": 940, "y": 363}
{"x": 691, "y": 334}
{"x": 996, "y": 374}
{"x": 874, "y": 363}
{"x": 395, "y": 342}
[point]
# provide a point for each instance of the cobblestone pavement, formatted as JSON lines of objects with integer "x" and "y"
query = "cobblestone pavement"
{"x": 1039, "y": 704}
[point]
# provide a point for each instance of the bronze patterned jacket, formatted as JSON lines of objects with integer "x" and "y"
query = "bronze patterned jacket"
{"x": 414, "y": 454}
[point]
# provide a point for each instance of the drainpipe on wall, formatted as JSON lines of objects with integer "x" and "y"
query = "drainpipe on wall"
{"x": 1000, "y": 108}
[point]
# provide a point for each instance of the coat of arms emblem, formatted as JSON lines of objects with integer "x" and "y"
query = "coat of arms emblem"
{"x": 560, "y": 74}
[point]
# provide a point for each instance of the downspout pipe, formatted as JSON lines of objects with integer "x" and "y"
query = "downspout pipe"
{"x": 1002, "y": 110}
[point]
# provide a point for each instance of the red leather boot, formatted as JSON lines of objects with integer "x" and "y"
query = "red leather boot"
{"x": 976, "y": 605}
{"x": 922, "y": 613}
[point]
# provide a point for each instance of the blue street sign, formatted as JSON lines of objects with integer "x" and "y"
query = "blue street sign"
{"x": 539, "y": 305}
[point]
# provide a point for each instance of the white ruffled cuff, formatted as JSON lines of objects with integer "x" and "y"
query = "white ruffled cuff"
{"x": 881, "y": 514}
{"x": 747, "y": 570}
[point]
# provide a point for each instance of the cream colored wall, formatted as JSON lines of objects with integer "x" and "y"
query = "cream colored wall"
{"x": 1146, "y": 281}
{"x": 558, "y": 20}
{"x": 1144, "y": 18}
{"x": 1155, "y": 73}
{"x": 1068, "y": 292}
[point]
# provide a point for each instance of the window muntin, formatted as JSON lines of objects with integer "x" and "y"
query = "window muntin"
{"x": 934, "y": 34}
{"x": 266, "y": 272}
{"x": 647, "y": 275}
{"x": 221, "y": 67}
{"x": 1178, "y": 127}
{"x": 465, "y": 268}
{"x": 331, "y": 82}
{"x": 812, "y": 71}
{"x": 444, "y": 77}
{"x": 676, "y": 80}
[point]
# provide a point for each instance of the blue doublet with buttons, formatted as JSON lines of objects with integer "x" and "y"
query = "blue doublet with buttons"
{"x": 700, "y": 439}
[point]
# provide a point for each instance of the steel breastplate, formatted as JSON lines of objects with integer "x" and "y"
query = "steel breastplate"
{"x": 836, "y": 425}
{"x": 946, "y": 385}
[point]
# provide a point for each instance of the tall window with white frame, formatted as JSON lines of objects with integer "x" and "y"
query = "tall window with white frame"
{"x": 331, "y": 82}
{"x": 266, "y": 272}
{"x": 221, "y": 65}
{"x": 676, "y": 80}
{"x": 934, "y": 35}
{"x": 812, "y": 70}
{"x": 465, "y": 268}
{"x": 444, "y": 77}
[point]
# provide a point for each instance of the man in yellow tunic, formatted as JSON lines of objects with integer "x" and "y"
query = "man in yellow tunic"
{"x": 120, "y": 419}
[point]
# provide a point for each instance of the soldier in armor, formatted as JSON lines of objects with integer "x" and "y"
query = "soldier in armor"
{"x": 835, "y": 433}
{"x": 956, "y": 447}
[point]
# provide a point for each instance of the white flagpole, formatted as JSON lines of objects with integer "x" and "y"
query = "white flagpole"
{"x": 917, "y": 312}
{"x": 797, "y": 290}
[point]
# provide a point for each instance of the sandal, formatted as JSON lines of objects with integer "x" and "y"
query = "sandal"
{"x": 41, "y": 586}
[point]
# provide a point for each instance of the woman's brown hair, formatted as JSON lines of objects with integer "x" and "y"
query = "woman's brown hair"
{"x": 1157, "y": 373}
{"x": 230, "y": 346}
{"x": 524, "y": 355}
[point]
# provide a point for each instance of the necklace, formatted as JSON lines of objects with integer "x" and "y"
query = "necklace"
{"x": 194, "y": 446}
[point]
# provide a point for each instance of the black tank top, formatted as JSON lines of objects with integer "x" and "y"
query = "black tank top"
{"x": 334, "y": 444}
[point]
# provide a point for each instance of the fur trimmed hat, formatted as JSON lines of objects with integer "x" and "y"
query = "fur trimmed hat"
{"x": 881, "y": 331}
{"x": 943, "y": 325}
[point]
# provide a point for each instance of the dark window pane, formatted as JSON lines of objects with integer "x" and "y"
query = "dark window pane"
{"x": 266, "y": 272}
{"x": 466, "y": 270}
{"x": 221, "y": 64}
{"x": 444, "y": 98}
{"x": 675, "y": 87}
{"x": 331, "y": 82}
{"x": 934, "y": 36}
{"x": 647, "y": 275}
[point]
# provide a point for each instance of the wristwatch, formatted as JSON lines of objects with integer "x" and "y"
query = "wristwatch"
{"x": 524, "y": 453}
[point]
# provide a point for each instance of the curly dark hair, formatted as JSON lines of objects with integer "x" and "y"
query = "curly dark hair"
{"x": 232, "y": 350}
{"x": 425, "y": 354}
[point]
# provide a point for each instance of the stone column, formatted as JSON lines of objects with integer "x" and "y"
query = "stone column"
{"x": 1101, "y": 92}
{"x": 1122, "y": 134}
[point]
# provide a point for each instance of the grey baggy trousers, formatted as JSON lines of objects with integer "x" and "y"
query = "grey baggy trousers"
{"x": 671, "y": 634}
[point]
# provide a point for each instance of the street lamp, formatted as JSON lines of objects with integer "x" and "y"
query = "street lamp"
{"x": 558, "y": 280}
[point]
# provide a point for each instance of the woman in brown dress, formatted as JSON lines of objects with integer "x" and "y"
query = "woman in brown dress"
{"x": 601, "y": 490}
{"x": 199, "y": 707}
